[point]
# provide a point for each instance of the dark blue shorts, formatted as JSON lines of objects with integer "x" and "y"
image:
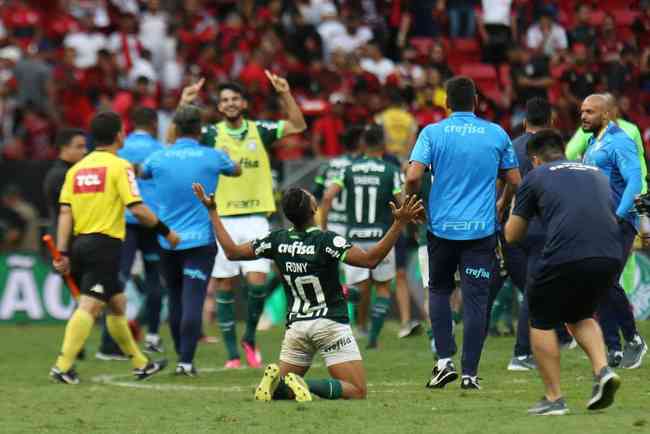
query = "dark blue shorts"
{"x": 569, "y": 292}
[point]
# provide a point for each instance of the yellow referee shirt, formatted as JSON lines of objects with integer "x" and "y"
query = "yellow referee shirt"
{"x": 98, "y": 189}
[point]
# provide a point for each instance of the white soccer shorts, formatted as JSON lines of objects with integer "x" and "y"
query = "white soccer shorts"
{"x": 332, "y": 340}
{"x": 384, "y": 272}
{"x": 423, "y": 259}
{"x": 242, "y": 229}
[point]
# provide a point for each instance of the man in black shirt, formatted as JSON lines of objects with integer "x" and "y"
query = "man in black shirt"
{"x": 580, "y": 261}
{"x": 71, "y": 143}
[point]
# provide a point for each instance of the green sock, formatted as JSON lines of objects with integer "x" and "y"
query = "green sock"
{"x": 354, "y": 295}
{"x": 256, "y": 297}
{"x": 327, "y": 389}
{"x": 282, "y": 391}
{"x": 226, "y": 319}
{"x": 379, "y": 311}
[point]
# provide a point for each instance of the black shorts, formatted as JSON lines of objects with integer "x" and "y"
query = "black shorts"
{"x": 95, "y": 264}
{"x": 570, "y": 292}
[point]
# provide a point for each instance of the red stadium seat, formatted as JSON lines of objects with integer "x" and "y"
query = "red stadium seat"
{"x": 466, "y": 45}
{"x": 624, "y": 17}
{"x": 597, "y": 17}
{"x": 422, "y": 45}
{"x": 479, "y": 71}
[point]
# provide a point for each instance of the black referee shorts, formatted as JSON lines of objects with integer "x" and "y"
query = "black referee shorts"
{"x": 569, "y": 292}
{"x": 95, "y": 264}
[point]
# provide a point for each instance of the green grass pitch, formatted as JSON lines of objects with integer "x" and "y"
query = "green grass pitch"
{"x": 109, "y": 401}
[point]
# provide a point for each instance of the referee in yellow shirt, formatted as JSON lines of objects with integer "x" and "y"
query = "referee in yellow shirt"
{"x": 93, "y": 199}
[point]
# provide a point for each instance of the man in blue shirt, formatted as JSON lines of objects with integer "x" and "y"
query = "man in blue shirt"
{"x": 187, "y": 267}
{"x": 138, "y": 146}
{"x": 467, "y": 155}
{"x": 612, "y": 151}
{"x": 580, "y": 260}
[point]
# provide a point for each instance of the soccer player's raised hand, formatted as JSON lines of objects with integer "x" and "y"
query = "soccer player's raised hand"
{"x": 191, "y": 92}
{"x": 206, "y": 200}
{"x": 411, "y": 210}
{"x": 281, "y": 85}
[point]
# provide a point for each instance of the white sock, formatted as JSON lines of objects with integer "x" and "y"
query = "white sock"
{"x": 636, "y": 340}
{"x": 473, "y": 378}
{"x": 186, "y": 366}
{"x": 442, "y": 363}
{"x": 152, "y": 338}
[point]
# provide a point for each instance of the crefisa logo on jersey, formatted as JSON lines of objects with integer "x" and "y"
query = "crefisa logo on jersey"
{"x": 297, "y": 248}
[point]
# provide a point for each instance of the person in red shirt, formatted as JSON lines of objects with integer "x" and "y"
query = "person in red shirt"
{"x": 22, "y": 20}
{"x": 328, "y": 128}
{"x": 70, "y": 92}
{"x": 609, "y": 47}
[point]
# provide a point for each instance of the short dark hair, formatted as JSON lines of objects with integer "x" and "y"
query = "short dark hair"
{"x": 373, "y": 135}
{"x": 351, "y": 137}
{"x": 546, "y": 144}
{"x": 144, "y": 117}
{"x": 188, "y": 120}
{"x": 233, "y": 86}
{"x": 538, "y": 112}
{"x": 296, "y": 206}
{"x": 65, "y": 136}
{"x": 461, "y": 93}
{"x": 104, "y": 128}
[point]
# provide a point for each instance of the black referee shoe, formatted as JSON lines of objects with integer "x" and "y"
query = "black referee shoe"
{"x": 149, "y": 370}
{"x": 68, "y": 377}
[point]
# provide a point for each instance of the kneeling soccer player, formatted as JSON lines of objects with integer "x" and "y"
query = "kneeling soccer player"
{"x": 317, "y": 320}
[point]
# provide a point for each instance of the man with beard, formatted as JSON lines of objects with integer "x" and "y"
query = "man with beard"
{"x": 611, "y": 150}
{"x": 244, "y": 202}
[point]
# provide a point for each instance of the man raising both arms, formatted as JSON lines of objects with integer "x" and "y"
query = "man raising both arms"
{"x": 244, "y": 203}
{"x": 317, "y": 318}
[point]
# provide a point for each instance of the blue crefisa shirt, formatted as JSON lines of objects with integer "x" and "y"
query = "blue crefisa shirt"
{"x": 138, "y": 146}
{"x": 465, "y": 153}
{"x": 616, "y": 155}
{"x": 174, "y": 170}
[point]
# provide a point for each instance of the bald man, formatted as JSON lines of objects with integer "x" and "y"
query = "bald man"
{"x": 577, "y": 146}
{"x": 611, "y": 150}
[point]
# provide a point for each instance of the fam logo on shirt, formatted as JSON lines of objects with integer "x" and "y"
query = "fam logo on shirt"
{"x": 90, "y": 180}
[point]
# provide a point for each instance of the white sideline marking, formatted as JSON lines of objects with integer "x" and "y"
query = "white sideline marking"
{"x": 119, "y": 380}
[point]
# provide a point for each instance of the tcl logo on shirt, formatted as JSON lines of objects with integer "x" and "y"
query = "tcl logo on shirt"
{"x": 90, "y": 180}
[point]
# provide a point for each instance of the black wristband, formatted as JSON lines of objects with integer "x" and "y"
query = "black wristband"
{"x": 64, "y": 253}
{"x": 161, "y": 228}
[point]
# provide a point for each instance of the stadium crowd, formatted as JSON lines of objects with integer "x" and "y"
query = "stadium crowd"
{"x": 61, "y": 61}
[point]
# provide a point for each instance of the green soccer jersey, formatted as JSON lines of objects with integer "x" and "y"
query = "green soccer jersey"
{"x": 308, "y": 262}
{"x": 327, "y": 174}
{"x": 370, "y": 185}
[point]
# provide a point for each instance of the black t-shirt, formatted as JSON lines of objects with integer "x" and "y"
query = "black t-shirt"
{"x": 535, "y": 69}
{"x": 574, "y": 203}
{"x": 52, "y": 189}
{"x": 582, "y": 81}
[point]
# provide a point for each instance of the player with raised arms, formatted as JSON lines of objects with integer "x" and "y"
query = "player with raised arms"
{"x": 317, "y": 318}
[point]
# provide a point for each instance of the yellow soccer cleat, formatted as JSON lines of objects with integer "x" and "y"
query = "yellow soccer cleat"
{"x": 298, "y": 386}
{"x": 268, "y": 384}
